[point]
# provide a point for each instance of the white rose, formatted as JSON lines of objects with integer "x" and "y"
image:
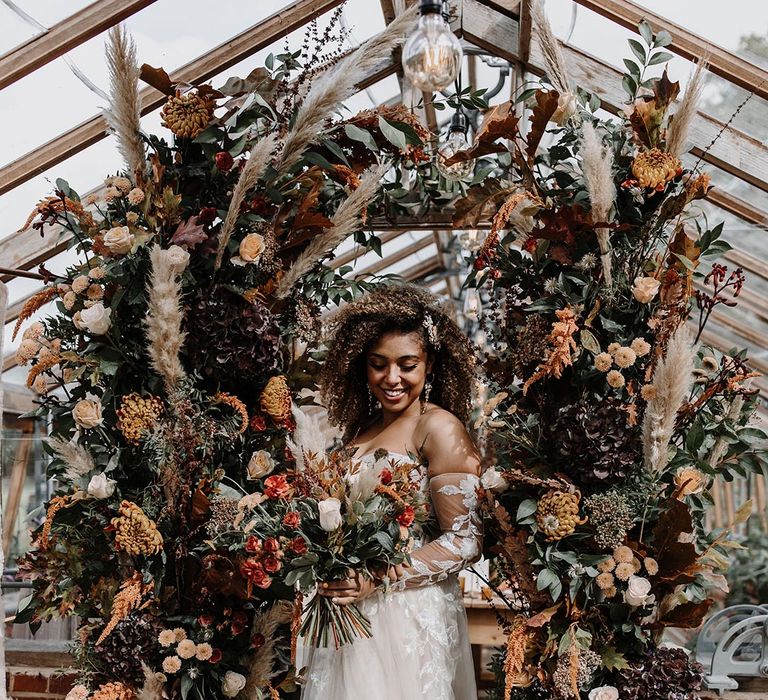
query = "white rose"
{"x": 96, "y": 319}
{"x": 260, "y": 464}
{"x": 645, "y": 289}
{"x": 233, "y": 683}
{"x": 566, "y": 108}
{"x": 492, "y": 480}
{"x": 118, "y": 240}
{"x": 604, "y": 692}
{"x": 87, "y": 413}
{"x": 330, "y": 514}
{"x": 638, "y": 592}
{"x": 177, "y": 258}
{"x": 100, "y": 486}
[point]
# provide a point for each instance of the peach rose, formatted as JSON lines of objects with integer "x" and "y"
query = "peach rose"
{"x": 118, "y": 240}
{"x": 251, "y": 248}
{"x": 87, "y": 413}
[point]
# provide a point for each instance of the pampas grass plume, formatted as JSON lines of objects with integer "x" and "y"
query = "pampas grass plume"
{"x": 154, "y": 684}
{"x": 308, "y": 437}
{"x": 124, "y": 112}
{"x": 262, "y": 662}
{"x": 597, "y": 166}
{"x": 164, "y": 319}
{"x": 78, "y": 460}
{"x": 554, "y": 61}
{"x": 339, "y": 83}
{"x": 346, "y": 220}
{"x": 672, "y": 382}
{"x": 680, "y": 127}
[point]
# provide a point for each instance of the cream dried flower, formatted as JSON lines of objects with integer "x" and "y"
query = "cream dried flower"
{"x": 615, "y": 379}
{"x": 186, "y": 649}
{"x": 166, "y": 638}
{"x": 607, "y": 564}
{"x": 613, "y": 347}
{"x": 640, "y": 346}
{"x": 136, "y": 196}
{"x": 624, "y": 571}
{"x": 171, "y": 664}
{"x": 651, "y": 566}
{"x": 603, "y": 362}
{"x": 625, "y": 357}
{"x": 180, "y": 633}
{"x": 623, "y": 554}
{"x": 648, "y": 392}
{"x": 203, "y": 652}
{"x": 80, "y": 284}
{"x": 123, "y": 184}
{"x": 605, "y": 581}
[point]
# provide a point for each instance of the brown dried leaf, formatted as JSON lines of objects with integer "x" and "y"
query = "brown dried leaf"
{"x": 481, "y": 201}
{"x": 158, "y": 79}
{"x": 687, "y": 615}
{"x": 546, "y": 105}
{"x": 189, "y": 233}
{"x": 499, "y": 123}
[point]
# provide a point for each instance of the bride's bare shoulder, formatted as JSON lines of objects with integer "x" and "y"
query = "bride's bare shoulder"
{"x": 445, "y": 442}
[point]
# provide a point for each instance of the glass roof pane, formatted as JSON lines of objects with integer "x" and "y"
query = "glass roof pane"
{"x": 49, "y": 12}
{"x": 15, "y": 30}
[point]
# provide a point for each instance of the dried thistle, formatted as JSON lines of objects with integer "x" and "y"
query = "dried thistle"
{"x": 32, "y": 304}
{"x": 680, "y": 124}
{"x": 554, "y": 61}
{"x": 77, "y": 458}
{"x": 671, "y": 383}
{"x": 164, "y": 318}
{"x": 124, "y": 112}
{"x": 260, "y": 667}
{"x": 346, "y": 220}
{"x": 261, "y": 153}
{"x": 337, "y": 84}
{"x": 597, "y": 166}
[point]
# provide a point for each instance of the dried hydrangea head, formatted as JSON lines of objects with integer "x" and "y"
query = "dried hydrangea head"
{"x": 557, "y": 514}
{"x": 611, "y": 517}
{"x": 135, "y": 533}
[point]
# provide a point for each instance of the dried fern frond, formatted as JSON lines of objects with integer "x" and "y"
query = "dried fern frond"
{"x": 254, "y": 167}
{"x": 124, "y": 112}
{"x": 164, "y": 319}
{"x": 671, "y": 384}
{"x": 554, "y": 61}
{"x": 337, "y": 84}
{"x": 680, "y": 126}
{"x": 597, "y": 167}
{"x": 77, "y": 458}
{"x": 346, "y": 220}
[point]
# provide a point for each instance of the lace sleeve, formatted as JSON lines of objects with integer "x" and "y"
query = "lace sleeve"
{"x": 454, "y": 500}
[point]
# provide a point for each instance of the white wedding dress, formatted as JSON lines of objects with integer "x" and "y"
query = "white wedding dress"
{"x": 420, "y": 644}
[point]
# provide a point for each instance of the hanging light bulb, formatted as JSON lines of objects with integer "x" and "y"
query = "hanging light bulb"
{"x": 432, "y": 55}
{"x": 472, "y": 304}
{"x": 456, "y": 141}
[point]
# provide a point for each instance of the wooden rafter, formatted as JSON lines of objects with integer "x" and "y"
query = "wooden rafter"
{"x": 357, "y": 251}
{"x": 65, "y": 36}
{"x": 397, "y": 256}
{"x": 526, "y": 25}
{"x": 421, "y": 270}
{"x": 686, "y": 44}
{"x": 245, "y": 44}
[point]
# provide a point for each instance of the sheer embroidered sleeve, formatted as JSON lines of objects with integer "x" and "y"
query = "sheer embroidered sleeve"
{"x": 454, "y": 501}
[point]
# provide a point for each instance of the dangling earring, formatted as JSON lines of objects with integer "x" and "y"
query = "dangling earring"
{"x": 372, "y": 402}
{"x": 427, "y": 389}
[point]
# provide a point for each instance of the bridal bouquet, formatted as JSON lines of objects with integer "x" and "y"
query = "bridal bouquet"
{"x": 312, "y": 526}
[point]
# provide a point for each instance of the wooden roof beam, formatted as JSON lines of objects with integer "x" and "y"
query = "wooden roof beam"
{"x": 245, "y": 44}
{"x": 65, "y": 36}
{"x": 397, "y": 256}
{"x": 686, "y": 44}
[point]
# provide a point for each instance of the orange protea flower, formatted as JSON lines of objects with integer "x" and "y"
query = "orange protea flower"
{"x": 127, "y": 599}
{"x": 50, "y": 206}
{"x": 113, "y": 691}
{"x": 557, "y": 514}
{"x": 275, "y": 399}
{"x": 655, "y": 168}
{"x": 137, "y": 415}
{"x": 33, "y": 304}
{"x": 561, "y": 343}
{"x": 187, "y": 115}
{"x": 135, "y": 532}
{"x": 236, "y": 404}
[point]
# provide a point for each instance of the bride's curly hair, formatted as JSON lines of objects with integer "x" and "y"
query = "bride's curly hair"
{"x": 358, "y": 326}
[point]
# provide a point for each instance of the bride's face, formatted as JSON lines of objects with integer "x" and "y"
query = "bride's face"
{"x": 397, "y": 367}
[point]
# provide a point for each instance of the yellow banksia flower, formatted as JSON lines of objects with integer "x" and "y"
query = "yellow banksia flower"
{"x": 187, "y": 115}
{"x": 135, "y": 533}
{"x": 275, "y": 399}
{"x": 655, "y": 168}
{"x": 137, "y": 415}
{"x": 557, "y": 514}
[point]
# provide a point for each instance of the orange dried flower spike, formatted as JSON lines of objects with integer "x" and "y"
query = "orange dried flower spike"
{"x": 127, "y": 599}
{"x": 562, "y": 344}
{"x": 236, "y": 404}
{"x": 42, "y": 365}
{"x": 33, "y": 304}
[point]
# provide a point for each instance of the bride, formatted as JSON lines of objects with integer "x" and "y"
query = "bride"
{"x": 398, "y": 380}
